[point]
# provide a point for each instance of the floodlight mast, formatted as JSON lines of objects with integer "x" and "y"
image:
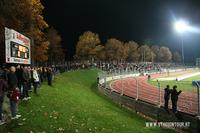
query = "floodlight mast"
{"x": 181, "y": 27}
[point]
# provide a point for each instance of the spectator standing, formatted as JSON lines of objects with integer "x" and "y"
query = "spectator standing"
{"x": 29, "y": 78}
{"x": 19, "y": 78}
{"x": 44, "y": 73}
{"x": 35, "y": 80}
{"x": 6, "y": 71}
{"x": 49, "y": 76}
{"x": 149, "y": 77}
{"x": 167, "y": 96}
{"x": 174, "y": 98}
{"x": 25, "y": 80}
{"x": 13, "y": 92}
{"x": 3, "y": 87}
{"x": 40, "y": 73}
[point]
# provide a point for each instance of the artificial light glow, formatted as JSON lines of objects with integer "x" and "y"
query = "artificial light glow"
{"x": 181, "y": 26}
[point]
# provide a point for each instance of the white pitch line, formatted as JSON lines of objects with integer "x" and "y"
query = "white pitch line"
{"x": 179, "y": 78}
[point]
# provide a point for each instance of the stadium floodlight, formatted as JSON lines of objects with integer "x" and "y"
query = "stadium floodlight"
{"x": 181, "y": 26}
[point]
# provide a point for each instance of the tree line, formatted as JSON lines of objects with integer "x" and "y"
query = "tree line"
{"x": 26, "y": 17}
{"x": 89, "y": 47}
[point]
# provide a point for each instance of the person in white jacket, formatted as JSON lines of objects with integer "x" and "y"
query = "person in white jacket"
{"x": 35, "y": 80}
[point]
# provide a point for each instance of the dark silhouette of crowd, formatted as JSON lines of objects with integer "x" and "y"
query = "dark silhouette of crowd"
{"x": 17, "y": 82}
{"x": 142, "y": 67}
{"x": 118, "y": 67}
{"x": 174, "y": 97}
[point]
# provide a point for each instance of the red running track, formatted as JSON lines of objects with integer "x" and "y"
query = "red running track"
{"x": 187, "y": 102}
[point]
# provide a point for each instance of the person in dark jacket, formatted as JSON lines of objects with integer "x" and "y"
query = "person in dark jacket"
{"x": 25, "y": 81}
{"x": 174, "y": 98}
{"x": 6, "y": 71}
{"x": 167, "y": 96}
{"x": 49, "y": 76}
{"x": 19, "y": 78}
{"x": 149, "y": 77}
{"x": 13, "y": 96}
{"x": 12, "y": 79}
{"x": 3, "y": 87}
{"x": 29, "y": 71}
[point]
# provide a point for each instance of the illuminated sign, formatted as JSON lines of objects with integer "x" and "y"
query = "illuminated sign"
{"x": 17, "y": 47}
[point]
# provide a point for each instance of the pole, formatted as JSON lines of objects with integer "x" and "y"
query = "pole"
{"x": 183, "y": 58}
{"x": 198, "y": 96}
{"x": 32, "y": 46}
{"x": 198, "y": 114}
{"x": 137, "y": 96}
{"x": 105, "y": 76}
{"x": 159, "y": 98}
{"x": 122, "y": 85}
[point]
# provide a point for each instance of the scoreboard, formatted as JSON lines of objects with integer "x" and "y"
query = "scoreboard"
{"x": 17, "y": 47}
{"x": 19, "y": 51}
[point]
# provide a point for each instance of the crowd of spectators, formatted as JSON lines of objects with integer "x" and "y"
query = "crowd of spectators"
{"x": 17, "y": 82}
{"x": 134, "y": 67}
{"x": 112, "y": 67}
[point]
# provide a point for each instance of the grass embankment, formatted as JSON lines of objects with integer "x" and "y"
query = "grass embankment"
{"x": 73, "y": 105}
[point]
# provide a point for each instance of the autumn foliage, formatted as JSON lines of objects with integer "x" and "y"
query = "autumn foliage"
{"x": 26, "y": 17}
{"x": 90, "y": 47}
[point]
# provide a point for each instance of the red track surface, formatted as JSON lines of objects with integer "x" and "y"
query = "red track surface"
{"x": 187, "y": 100}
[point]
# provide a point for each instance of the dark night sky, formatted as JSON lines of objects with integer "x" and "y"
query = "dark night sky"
{"x": 126, "y": 20}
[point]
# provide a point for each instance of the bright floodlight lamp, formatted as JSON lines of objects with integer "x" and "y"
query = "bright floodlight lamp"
{"x": 181, "y": 26}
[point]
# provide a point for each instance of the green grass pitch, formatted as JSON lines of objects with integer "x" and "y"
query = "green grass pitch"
{"x": 185, "y": 85}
